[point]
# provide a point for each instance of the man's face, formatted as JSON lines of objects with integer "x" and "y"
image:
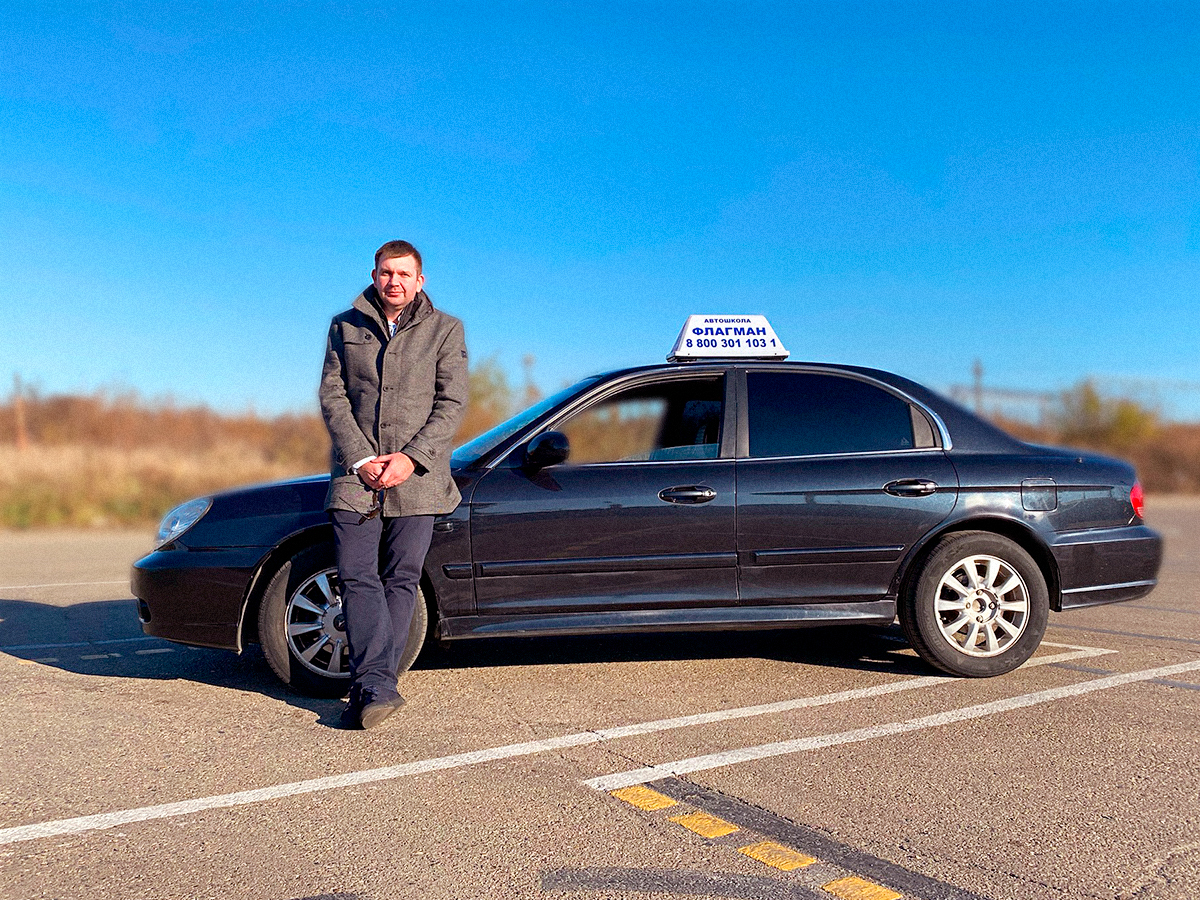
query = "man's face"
{"x": 397, "y": 279}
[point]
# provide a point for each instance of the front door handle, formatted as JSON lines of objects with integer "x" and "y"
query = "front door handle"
{"x": 692, "y": 493}
{"x": 911, "y": 487}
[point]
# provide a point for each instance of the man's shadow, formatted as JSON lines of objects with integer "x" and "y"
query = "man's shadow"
{"x": 104, "y": 639}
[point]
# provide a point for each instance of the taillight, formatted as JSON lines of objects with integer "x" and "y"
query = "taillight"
{"x": 1138, "y": 499}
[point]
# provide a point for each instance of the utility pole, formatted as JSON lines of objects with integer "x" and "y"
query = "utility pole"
{"x": 531, "y": 391}
{"x": 977, "y": 371}
{"x": 19, "y": 413}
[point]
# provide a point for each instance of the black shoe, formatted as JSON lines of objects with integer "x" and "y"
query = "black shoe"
{"x": 375, "y": 711}
{"x": 351, "y": 719}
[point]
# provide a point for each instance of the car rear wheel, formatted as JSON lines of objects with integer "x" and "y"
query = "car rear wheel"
{"x": 303, "y": 630}
{"x": 977, "y": 607}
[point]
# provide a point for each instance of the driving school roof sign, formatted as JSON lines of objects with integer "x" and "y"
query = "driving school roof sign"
{"x": 745, "y": 337}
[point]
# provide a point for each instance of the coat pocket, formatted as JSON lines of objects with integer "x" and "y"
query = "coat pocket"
{"x": 348, "y": 492}
{"x": 362, "y": 352}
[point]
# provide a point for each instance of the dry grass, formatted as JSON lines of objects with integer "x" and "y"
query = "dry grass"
{"x": 76, "y": 486}
{"x": 106, "y": 460}
{"x": 115, "y": 460}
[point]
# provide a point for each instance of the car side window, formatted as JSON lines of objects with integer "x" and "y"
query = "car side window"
{"x": 805, "y": 413}
{"x": 655, "y": 422}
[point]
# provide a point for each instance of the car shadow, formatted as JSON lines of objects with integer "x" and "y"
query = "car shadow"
{"x": 862, "y": 648}
{"x": 103, "y": 638}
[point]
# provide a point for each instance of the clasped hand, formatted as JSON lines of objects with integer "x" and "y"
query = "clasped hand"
{"x": 386, "y": 471}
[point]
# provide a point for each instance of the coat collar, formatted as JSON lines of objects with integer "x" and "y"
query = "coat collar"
{"x": 368, "y": 304}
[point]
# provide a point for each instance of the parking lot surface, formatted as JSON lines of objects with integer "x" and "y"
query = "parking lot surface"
{"x": 820, "y": 763}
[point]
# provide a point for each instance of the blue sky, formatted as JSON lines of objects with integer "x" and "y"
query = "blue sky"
{"x": 189, "y": 192}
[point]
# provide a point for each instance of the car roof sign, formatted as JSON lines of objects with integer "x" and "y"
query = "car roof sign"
{"x": 726, "y": 337}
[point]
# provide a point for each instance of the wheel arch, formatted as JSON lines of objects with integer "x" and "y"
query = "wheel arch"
{"x": 274, "y": 560}
{"x": 435, "y": 616}
{"x": 267, "y": 567}
{"x": 1017, "y": 532}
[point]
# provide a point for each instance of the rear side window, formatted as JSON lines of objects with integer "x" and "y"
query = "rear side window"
{"x": 803, "y": 413}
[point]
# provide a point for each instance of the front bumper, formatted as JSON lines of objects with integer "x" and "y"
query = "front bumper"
{"x": 195, "y": 596}
{"x": 1107, "y": 565}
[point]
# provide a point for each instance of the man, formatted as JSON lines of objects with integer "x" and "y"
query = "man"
{"x": 393, "y": 390}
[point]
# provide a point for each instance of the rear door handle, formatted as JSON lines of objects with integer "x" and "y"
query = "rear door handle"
{"x": 911, "y": 487}
{"x": 692, "y": 493}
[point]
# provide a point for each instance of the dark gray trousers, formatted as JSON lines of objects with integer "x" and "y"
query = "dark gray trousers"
{"x": 379, "y": 564}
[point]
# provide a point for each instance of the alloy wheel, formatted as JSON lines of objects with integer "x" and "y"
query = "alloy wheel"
{"x": 982, "y": 606}
{"x": 316, "y": 626}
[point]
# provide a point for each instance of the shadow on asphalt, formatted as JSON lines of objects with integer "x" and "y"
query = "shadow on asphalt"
{"x": 104, "y": 638}
{"x": 864, "y": 648}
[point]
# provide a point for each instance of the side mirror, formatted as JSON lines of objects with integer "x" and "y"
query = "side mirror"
{"x": 547, "y": 449}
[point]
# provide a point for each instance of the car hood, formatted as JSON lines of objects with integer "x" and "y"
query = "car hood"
{"x": 261, "y": 515}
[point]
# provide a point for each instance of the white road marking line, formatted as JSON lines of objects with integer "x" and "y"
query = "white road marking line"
{"x": 24, "y": 587}
{"x": 818, "y": 742}
{"x": 1091, "y": 651}
{"x": 100, "y": 821}
{"x": 154, "y": 650}
{"x": 746, "y": 712}
{"x": 132, "y": 640}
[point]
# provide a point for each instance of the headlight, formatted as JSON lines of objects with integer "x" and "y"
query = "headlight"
{"x": 181, "y": 518}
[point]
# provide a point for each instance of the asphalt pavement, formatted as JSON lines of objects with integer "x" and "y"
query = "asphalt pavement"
{"x": 809, "y": 764}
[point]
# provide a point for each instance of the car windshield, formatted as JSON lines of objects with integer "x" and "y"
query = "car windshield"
{"x": 478, "y": 447}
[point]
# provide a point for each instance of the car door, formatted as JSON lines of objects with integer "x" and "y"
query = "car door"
{"x": 641, "y": 515}
{"x": 838, "y": 476}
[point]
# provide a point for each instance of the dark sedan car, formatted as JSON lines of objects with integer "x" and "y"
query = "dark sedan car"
{"x": 710, "y": 494}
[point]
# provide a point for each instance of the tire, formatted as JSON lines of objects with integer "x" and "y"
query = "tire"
{"x": 977, "y": 607}
{"x": 312, "y": 656}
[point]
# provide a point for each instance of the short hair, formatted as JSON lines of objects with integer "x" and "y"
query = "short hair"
{"x": 392, "y": 249}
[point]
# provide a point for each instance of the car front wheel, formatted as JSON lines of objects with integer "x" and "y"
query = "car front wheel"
{"x": 978, "y": 606}
{"x": 303, "y": 630}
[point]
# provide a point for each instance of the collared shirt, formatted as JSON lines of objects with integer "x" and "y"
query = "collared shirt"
{"x": 404, "y": 316}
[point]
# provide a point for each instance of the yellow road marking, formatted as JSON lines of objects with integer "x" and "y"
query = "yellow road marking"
{"x": 705, "y": 825}
{"x": 643, "y": 798}
{"x": 858, "y": 889}
{"x": 777, "y": 855}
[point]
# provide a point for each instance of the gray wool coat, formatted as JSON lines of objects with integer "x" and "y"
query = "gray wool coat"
{"x": 381, "y": 395}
